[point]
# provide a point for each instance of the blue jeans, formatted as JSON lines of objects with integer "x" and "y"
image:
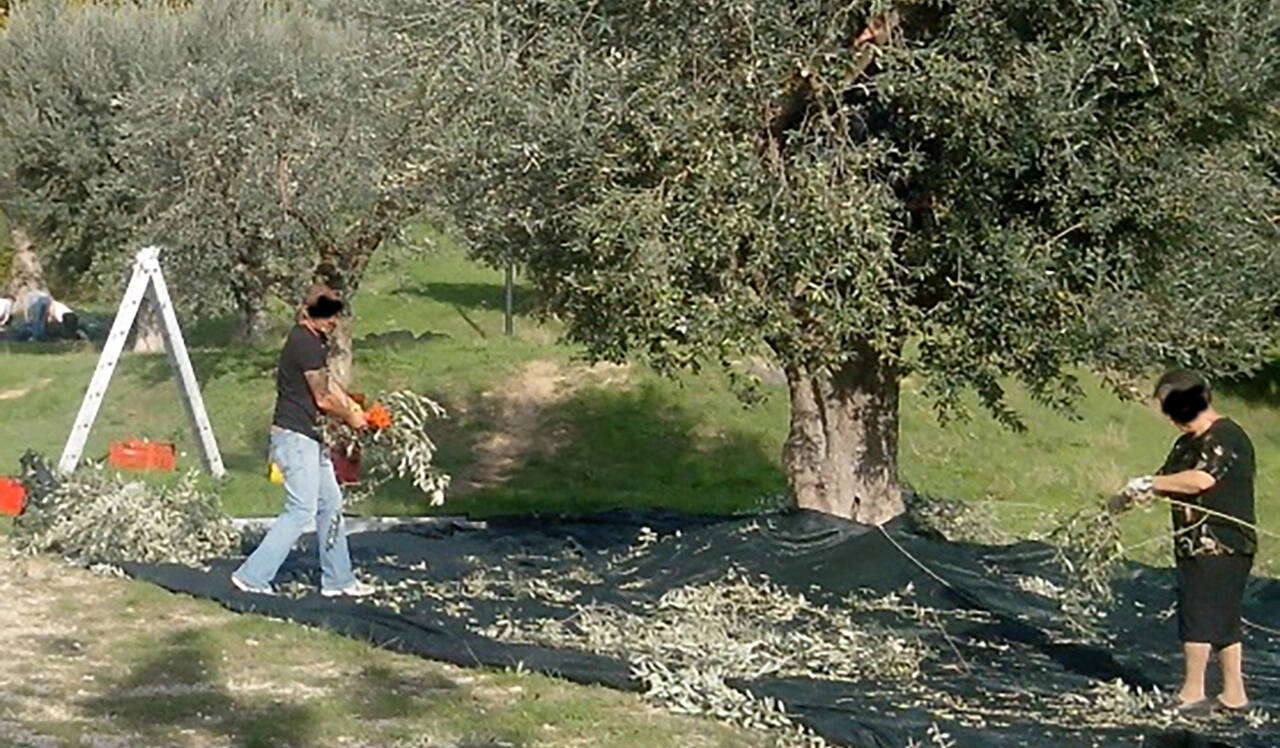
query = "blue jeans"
{"x": 310, "y": 490}
{"x": 37, "y": 316}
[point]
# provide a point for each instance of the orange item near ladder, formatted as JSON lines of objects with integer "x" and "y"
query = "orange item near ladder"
{"x": 141, "y": 455}
{"x": 13, "y": 496}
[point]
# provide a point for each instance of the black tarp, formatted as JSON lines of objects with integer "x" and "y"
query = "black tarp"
{"x": 1010, "y": 666}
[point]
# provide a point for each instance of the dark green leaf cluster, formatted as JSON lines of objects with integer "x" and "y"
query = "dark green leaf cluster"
{"x": 255, "y": 141}
{"x": 977, "y": 189}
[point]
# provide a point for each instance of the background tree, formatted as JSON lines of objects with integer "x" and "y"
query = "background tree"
{"x": 260, "y": 143}
{"x": 963, "y": 191}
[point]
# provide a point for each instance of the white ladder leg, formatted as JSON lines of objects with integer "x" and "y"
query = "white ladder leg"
{"x": 125, "y": 315}
{"x": 188, "y": 385}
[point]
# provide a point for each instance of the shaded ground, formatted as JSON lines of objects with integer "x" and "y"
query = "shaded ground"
{"x": 90, "y": 660}
{"x": 516, "y": 416}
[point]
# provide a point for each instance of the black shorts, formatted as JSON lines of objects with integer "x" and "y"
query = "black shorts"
{"x": 1210, "y": 593}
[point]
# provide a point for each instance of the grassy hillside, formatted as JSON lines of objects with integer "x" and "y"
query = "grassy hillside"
{"x": 534, "y": 431}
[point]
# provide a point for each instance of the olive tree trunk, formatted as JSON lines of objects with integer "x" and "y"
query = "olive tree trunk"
{"x": 841, "y": 456}
{"x": 341, "y": 268}
{"x": 251, "y": 319}
{"x": 26, "y": 274}
{"x": 341, "y": 354}
{"x": 148, "y": 336}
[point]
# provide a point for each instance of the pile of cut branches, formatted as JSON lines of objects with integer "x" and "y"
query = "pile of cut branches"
{"x": 396, "y": 445}
{"x": 94, "y": 516}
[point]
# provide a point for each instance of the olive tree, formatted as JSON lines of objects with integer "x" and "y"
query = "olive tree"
{"x": 262, "y": 143}
{"x": 966, "y": 192}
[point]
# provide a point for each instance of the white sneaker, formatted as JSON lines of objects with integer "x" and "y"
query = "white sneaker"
{"x": 244, "y": 586}
{"x": 355, "y": 589}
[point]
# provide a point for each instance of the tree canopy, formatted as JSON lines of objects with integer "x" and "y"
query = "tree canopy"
{"x": 962, "y": 191}
{"x": 263, "y": 144}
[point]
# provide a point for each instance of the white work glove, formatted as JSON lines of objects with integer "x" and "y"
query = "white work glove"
{"x": 1138, "y": 487}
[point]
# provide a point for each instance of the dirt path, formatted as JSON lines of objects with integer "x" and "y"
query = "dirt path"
{"x": 24, "y": 391}
{"x": 517, "y": 407}
{"x": 58, "y": 630}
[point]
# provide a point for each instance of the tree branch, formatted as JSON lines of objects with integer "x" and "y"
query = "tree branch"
{"x": 791, "y": 113}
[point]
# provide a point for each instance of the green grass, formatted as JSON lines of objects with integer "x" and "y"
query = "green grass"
{"x": 1060, "y": 464}
{"x": 629, "y": 438}
{"x": 434, "y": 324}
{"x": 620, "y": 445}
{"x": 117, "y": 662}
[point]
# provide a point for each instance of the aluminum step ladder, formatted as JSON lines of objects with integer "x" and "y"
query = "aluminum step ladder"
{"x": 147, "y": 282}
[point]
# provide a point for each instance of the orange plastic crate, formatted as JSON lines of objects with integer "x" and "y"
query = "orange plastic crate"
{"x": 13, "y": 496}
{"x": 142, "y": 455}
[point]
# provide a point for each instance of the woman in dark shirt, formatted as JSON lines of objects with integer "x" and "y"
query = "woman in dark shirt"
{"x": 1212, "y": 466}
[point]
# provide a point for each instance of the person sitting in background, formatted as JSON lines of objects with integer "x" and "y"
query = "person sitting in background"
{"x": 6, "y": 311}
{"x": 64, "y": 321}
{"x": 43, "y": 312}
{"x": 66, "y": 327}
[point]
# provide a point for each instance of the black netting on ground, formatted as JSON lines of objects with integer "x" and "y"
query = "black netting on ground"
{"x": 1001, "y": 664}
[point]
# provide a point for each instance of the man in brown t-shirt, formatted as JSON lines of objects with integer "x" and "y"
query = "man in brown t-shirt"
{"x": 303, "y": 392}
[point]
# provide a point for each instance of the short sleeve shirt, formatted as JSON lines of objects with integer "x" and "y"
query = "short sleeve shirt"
{"x": 295, "y": 407}
{"x": 1225, "y": 452}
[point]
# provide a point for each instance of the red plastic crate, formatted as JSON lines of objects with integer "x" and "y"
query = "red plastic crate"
{"x": 13, "y": 496}
{"x": 142, "y": 455}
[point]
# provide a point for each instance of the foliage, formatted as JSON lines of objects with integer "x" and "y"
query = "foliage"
{"x": 692, "y": 645}
{"x": 1019, "y": 188}
{"x": 694, "y": 640}
{"x": 1085, "y": 543}
{"x": 401, "y": 449}
{"x": 6, "y": 250}
{"x": 96, "y": 517}
{"x": 260, "y": 143}
{"x": 955, "y": 520}
{"x": 975, "y": 190}
{"x": 1087, "y": 546}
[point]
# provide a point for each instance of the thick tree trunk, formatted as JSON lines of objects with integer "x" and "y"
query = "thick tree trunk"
{"x": 26, "y": 274}
{"x": 341, "y": 268}
{"x": 251, "y": 320}
{"x": 340, "y": 354}
{"x": 842, "y": 453}
{"x": 147, "y": 335}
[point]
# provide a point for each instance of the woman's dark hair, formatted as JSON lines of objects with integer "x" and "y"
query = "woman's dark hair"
{"x": 1184, "y": 394}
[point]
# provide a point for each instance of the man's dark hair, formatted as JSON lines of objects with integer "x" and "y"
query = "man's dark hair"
{"x": 1184, "y": 394}
{"x": 324, "y": 307}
